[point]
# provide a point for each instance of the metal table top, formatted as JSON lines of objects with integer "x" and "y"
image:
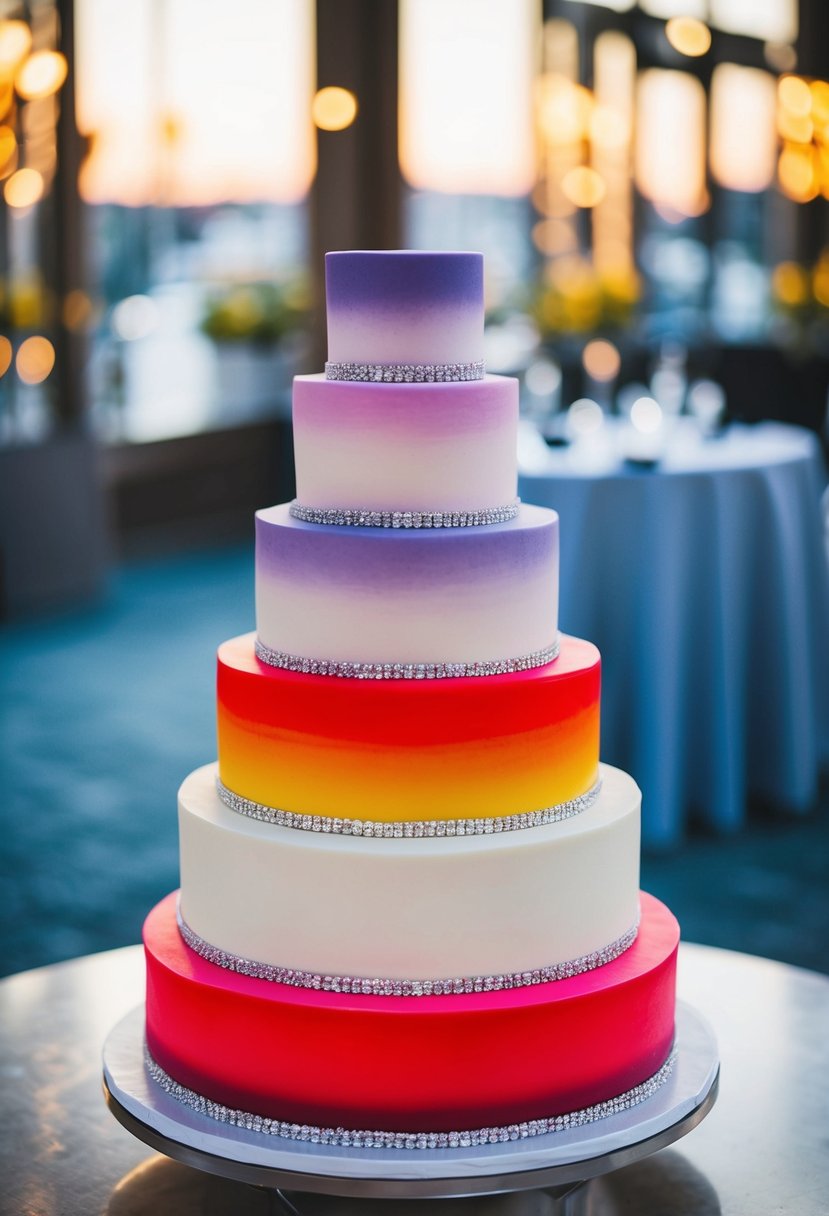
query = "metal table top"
{"x": 761, "y": 1150}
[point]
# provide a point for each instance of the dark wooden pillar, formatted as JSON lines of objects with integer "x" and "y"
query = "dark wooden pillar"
{"x": 68, "y": 269}
{"x": 356, "y": 197}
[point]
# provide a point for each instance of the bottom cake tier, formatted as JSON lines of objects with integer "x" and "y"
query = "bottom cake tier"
{"x": 436, "y": 1064}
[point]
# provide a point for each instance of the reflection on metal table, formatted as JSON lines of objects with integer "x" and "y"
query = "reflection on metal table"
{"x": 759, "y": 1151}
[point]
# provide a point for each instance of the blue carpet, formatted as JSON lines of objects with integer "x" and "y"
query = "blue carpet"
{"x": 104, "y": 712}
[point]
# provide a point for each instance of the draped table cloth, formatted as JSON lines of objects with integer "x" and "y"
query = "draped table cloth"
{"x": 703, "y": 581}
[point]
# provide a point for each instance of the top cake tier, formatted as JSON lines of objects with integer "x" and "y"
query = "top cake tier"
{"x": 405, "y": 307}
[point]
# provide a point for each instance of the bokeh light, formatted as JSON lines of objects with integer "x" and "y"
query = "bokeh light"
{"x": 743, "y": 144}
{"x": 646, "y": 415}
{"x": 601, "y": 360}
{"x": 790, "y": 284}
{"x": 564, "y": 109}
{"x": 584, "y": 417}
{"x": 820, "y": 281}
{"x": 794, "y": 95}
{"x": 333, "y": 108}
{"x": 8, "y": 151}
{"x": 15, "y": 41}
{"x": 688, "y": 36}
{"x": 797, "y": 173}
{"x": 77, "y": 310}
{"x": 35, "y": 360}
{"x": 5, "y": 354}
{"x": 41, "y": 75}
{"x": 135, "y": 317}
{"x": 23, "y": 188}
{"x": 583, "y": 186}
{"x": 542, "y": 378}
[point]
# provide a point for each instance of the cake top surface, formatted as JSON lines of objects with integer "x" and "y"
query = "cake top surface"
{"x": 404, "y": 306}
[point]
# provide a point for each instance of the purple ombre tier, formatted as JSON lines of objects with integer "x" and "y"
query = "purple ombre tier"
{"x": 404, "y": 307}
{"x": 433, "y": 596}
{"x": 405, "y": 447}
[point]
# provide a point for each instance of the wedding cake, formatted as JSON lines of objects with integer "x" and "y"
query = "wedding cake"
{"x": 409, "y": 911}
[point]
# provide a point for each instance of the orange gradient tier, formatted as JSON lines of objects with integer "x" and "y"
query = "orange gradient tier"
{"x": 409, "y": 750}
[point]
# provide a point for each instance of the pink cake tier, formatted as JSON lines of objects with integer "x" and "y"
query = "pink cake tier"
{"x": 424, "y": 1064}
{"x": 386, "y": 596}
{"x": 416, "y": 448}
{"x": 409, "y": 750}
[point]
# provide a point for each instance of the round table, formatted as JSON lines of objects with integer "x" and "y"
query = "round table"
{"x": 760, "y": 1151}
{"x": 703, "y": 581}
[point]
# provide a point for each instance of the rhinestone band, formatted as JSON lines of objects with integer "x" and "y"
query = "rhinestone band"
{"x": 345, "y": 1138}
{"x": 402, "y": 671}
{"x": 405, "y": 373}
{"x": 456, "y": 986}
{"x": 406, "y": 829}
{"x": 366, "y": 518}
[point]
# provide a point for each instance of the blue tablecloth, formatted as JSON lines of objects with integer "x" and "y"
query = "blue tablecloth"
{"x": 703, "y": 581}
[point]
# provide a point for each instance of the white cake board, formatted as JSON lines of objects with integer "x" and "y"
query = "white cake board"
{"x": 556, "y": 1162}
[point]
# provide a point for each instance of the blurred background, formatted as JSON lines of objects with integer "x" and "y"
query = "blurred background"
{"x": 649, "y": 184}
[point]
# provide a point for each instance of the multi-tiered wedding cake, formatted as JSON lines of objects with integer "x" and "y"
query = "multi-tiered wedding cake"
{"x": 409, "y": 909}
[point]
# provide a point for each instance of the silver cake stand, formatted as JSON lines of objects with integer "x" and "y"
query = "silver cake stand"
{"x": 560, "y": 1164}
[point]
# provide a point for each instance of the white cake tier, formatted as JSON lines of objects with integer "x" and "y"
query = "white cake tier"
{"x": 427, "y": 908}
{"x": 389, "y": 595}
{"x": 406, "y": 447}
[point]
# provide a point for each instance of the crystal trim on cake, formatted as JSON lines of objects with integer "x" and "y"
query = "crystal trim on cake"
{"x": 406, "y": 373}
{"x": 345, "y": 1138}
{"x": 454, "y": 986}
{"x": 358, "y": 517}
{"x": 400, "y": 829}
{"x": 403, "y": 671}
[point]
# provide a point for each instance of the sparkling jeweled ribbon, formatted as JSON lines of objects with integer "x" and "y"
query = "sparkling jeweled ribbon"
{"x": 403, "y": 671}
{"x": 405, "y": 829}
{"x": 358, "y": 517}
{"x": 346, "y": 1138}
{"x": 405, "y": 373}
{"x": 374, "y": 986}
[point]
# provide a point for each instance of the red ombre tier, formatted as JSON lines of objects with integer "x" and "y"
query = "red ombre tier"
{"x": 410, "y": 1063}
{"x": 409, "y": 750}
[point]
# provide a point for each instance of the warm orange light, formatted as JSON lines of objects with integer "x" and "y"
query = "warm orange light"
{"x": 77, "y": 310}
{"x": 8, "y": 151}
{"x": 140, "y": 78}
{"x": 794, "y": 95}
{"x": 564, "y": 109}
{"x": 820, "y": 103}
{"x": 15, "y": 41}
{"x": 35, "y": 360}
{"x": 790, "y": 284}
{"x": 820, "y": 281}
{"x": 554, "y": 236}
{"x": 333, "y": 108}
{"x": 6, "y": 97}
{"x": 796, "y": 127}
{"x": 41, "y": 75}
{"x": 670, "y": 142}
{"x": 609, "y": 129}
{"x": 742, "y": 142}
{"x": 688, "y": 36}
{"x": 601, "y": 360}
{"x": 796, "y": 172}
{"x": 5, "y": 354}
{"x": 24, "y": 188}
{"x": 583, "y": 186}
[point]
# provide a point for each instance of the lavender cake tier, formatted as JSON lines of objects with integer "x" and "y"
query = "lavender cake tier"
{"x": 384, "y": 595}
{"x": 404, "y": 307}
{"x": 410, "y": 447}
